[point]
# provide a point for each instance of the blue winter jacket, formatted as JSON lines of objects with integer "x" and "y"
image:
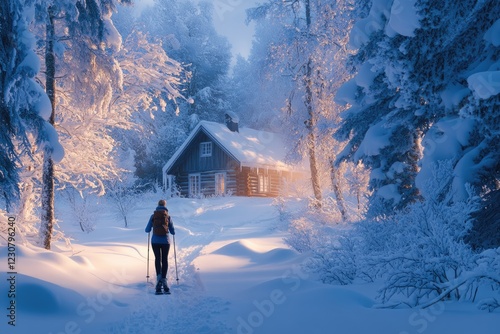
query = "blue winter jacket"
{"x": 160, "y": 239}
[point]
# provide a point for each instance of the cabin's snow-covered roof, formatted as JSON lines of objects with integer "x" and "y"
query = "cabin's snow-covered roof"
{"x": 251, "y": 148}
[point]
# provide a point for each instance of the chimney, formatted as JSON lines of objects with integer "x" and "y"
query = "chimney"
{"x": 232, "y": 121}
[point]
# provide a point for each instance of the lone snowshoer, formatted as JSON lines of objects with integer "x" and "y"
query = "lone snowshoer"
{"x": 161, "y": 224}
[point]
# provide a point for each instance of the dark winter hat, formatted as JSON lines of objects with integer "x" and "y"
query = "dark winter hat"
{"x": 162, "y": 202}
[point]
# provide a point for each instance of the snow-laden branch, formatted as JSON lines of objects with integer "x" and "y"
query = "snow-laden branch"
{"x": 150, "y": 76}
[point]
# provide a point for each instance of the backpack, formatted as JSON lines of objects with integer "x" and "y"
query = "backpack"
{"x": 160, "y": 222}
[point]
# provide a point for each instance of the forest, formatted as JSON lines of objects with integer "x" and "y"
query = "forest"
{"x": 393, "y": 104}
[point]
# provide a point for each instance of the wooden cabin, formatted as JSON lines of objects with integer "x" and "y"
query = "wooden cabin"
{"x": 220, "y": 159}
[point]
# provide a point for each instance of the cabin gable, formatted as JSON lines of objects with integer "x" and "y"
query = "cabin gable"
{"x": 204, "y": 168}
{"x": 194, "y": 158}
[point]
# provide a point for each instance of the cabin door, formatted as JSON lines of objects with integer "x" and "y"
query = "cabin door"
{"x": 194, "y": 185}
{"x": 220, "y": 183}
{"x": 263, "y": 183}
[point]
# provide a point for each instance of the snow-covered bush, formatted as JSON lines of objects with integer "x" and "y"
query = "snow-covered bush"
{"x": 83, "y": 209}
{"x": 425, "y": 253}
{"x": 331, "y": 251}
{"x": 334, "y": 261}
{"x": 419, "y": 254}
{"x": 357, "y": 178}
{"x": 124, "y": 200}
{"x": 303, "y": 235}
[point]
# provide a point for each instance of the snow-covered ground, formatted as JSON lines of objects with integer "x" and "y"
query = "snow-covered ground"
{"x": 236, "y": 275}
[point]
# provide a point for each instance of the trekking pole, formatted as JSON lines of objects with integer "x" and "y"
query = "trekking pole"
{"x": 175, "y": 259}
{"x": 147, "y": 276}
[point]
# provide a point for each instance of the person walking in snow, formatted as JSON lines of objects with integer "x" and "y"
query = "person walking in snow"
{"x": 161, "y": 224}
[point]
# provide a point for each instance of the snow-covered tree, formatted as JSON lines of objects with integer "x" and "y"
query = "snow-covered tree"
{"x": 189, "y": 36}
{"x": 79, "y": 34}
{"x": 24, "y": 106}
{"x": 153, "y": 92}
{"x": 151, "y": 78}
{"x": 411, "y": 73}
{"x": 258, "y": 88}
{"x": 308, "y": 49}
{"x": 294, "y": 56}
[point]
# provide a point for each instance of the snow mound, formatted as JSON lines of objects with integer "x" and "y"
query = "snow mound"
{"x": 40, "y": 297}
{"x": 37, "y": 299}
{"x": 272, "y": 304}
{"x": 242, "y": 248}
{"x": 59, "y": 263}
{"x": 82, "y": 260}
{"x": 307, "y": 289}
{"x": 247, "y": 249}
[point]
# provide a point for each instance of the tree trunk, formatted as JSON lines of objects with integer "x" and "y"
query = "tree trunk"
{"x": 311, "y": 136}
{"x": 308, "y": 13}
{"x": 47, "y": 200}
{"x": 358, "y": 198}
{"x": 47, "y": 217}
{"x": 311, "y": 122}
{"x": 8, "y": 204}
{"x": 339, "y": 197}
{"x": 313, "y": 165}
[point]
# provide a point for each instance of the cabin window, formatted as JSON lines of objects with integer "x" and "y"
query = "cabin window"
{"x": 194, "y": 185}
{"x": 263, "y": 183}
{"x": 206, "y": 149}
{"x": 220, "y": 183}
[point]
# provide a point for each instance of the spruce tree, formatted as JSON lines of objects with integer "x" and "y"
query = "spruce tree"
{"x": 411, "y": 64}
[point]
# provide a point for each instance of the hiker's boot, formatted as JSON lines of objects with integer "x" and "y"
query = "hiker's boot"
{"x": 165, "y": 286}
{"x": 158, "y": 284}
